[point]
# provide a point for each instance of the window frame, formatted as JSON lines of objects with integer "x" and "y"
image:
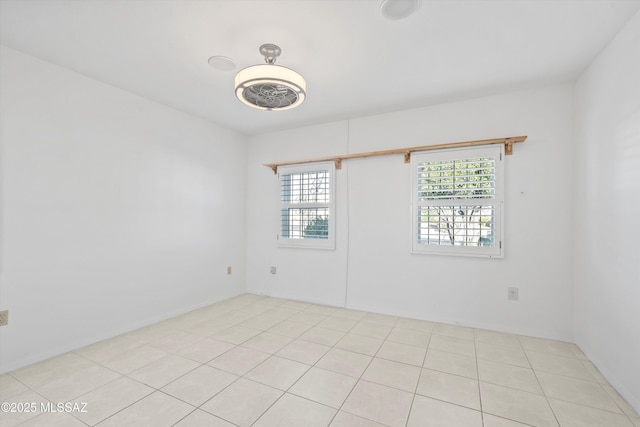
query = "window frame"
{"x": 496, "y": 151}
{"x": 308, "y": 243}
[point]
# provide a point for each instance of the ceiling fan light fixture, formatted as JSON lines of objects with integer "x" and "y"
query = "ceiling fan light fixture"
{"x": 270, "y": 86}
{"x": 399, "y": 9}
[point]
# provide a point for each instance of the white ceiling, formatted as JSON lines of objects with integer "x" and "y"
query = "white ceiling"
{"x": 355, "y": 61}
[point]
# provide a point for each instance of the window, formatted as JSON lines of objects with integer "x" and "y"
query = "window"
{"x": 306, "y": 205}
{"x": 458, "y": 201}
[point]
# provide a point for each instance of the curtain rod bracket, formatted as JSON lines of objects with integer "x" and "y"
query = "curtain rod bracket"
{"x": 508, "y": 146}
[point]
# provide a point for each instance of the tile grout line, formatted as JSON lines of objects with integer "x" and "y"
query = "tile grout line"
{"x": 360, "y": 377}
{"x": 544, "y": 393}
{"x": 475, "y": 349}
{"x": 357, "y": 380}
{"x": 415, "y": 389}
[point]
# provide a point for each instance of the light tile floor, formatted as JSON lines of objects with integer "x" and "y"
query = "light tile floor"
{"x": 259, "y": 361}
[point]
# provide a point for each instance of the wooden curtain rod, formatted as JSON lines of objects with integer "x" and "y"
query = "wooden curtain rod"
{"x": 508, "y": 150}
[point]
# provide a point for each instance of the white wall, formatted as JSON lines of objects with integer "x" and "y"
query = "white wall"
{"x": 116, "y": 211}
{"x": 372, "y": 266}
{"x": 606, "y": 229}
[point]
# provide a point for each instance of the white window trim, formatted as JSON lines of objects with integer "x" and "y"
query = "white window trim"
{"x": 328, "y": 243}
{"x": 449, "y": 154}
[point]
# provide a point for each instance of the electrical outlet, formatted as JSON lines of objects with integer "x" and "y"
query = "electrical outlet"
{"x": 4, "y": 317}
{"x": 228, "y": 269}
{"x": 512, "y": 294}
{"x": 273, "y": 270}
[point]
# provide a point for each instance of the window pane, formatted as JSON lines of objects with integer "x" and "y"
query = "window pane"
{"x": 467, "y": 225}
{"x": 457, "y": 179}
{"x": 307, "y": 223}
{"x": 305, "y": 187}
